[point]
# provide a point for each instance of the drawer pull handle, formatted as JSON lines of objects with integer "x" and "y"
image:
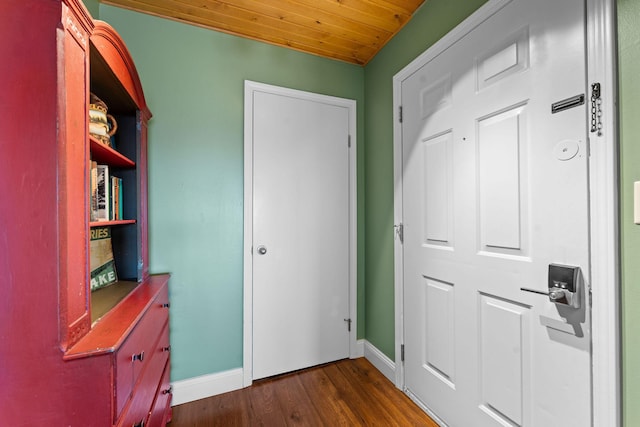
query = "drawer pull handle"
{"x": 168, "y": 390}
{"x": 139, "y": 356}
{"x": 167, "y": 348}
{"x": 166, "y": 305}
{"x": 140, "y": 424}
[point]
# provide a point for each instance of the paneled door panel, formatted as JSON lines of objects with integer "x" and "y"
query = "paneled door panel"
{"x": 495, "y": 189}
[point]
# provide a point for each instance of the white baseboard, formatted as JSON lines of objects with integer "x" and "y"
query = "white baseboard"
{"x": 197, "y": 388}
{"x": 380, "y": 361}
{"x": 206, "y": 386}
{"x": 359, "y": 349}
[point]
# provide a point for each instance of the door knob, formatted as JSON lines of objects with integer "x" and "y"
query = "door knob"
{"x": 558, "y": 294}
{"x": 262, "y": 250}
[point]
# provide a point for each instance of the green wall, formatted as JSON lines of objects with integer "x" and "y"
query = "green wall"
{"x": 194, "y": 84}
{"x": 93, "y": 6}
{"x": 434, "y": 19}
{"x": 629, "y": 97}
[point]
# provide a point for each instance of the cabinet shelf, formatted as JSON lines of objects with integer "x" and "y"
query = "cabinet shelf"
{"x": 104, "y": 299}
{"x": 111, "y": 223}
{"x": 127, "y": 302}
{"x": 107, "y": 155}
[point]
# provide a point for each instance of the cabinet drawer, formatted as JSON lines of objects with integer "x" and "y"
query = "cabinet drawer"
{"x": 160, "y": 410}
{"x": 135, "y": 354}
{"x": 149, "y": 382}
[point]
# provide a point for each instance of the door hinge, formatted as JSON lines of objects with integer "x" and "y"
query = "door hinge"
{"x": 400, "y": 113}
{"x": 399, "y": 229}
{"x": 402, "y": 352}
{"x": 349, "y": 141}
{"x": 348, "y": 324}
{"x": 596, "y": 109}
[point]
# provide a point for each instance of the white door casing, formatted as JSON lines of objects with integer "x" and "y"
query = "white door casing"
{"x": 504, "y": 242}
{"x": 299, "y": 207}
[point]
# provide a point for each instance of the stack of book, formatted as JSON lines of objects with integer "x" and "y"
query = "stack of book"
{"x": 106, "y": 194}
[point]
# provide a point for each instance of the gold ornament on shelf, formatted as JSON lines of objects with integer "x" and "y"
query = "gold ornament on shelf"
{"x": 102, "y": 126}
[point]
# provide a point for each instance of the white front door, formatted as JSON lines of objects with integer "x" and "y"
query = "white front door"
{"x": 301, "y": 231}
{"x": 495, "y": 189}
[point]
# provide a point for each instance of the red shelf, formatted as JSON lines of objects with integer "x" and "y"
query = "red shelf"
{"x": 107, "y": 155}
{"x": 110, "y": 332}
{"x": 110, "y": 223}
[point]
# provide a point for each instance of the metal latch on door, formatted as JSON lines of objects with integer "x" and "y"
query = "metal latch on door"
{"x": 562, "y": 285}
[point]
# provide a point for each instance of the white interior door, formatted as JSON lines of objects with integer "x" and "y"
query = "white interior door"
{"x": 301, "y": 234}
{"x": 495, "y": 189}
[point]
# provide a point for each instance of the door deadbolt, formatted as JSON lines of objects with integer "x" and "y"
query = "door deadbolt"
{"x": 562, "y": 284}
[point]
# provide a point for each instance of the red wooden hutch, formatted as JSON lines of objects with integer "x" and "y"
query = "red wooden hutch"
{"x": 69, "y": 356}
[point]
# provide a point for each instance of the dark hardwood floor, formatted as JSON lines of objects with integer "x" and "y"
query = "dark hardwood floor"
{"x": 343, "y": 393}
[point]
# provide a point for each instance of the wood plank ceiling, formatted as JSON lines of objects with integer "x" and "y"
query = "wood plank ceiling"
{"x": 347, "y": 30}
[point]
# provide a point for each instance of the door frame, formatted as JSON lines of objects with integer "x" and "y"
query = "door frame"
{"x": 603, "y": 194}
{"x": 250, "y": 87}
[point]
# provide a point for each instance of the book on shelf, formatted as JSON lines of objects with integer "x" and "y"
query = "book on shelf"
{"x": 120, "y": 199}
{"x": 106, "y": 194}
{"x": 115, "y": 198}
{"x": 93, "y": 191}
{"x": 102, "y": 193}
{"x": 101, "y": 262}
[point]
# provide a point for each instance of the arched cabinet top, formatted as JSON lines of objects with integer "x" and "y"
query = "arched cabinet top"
{"x": 114, "y": 77}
